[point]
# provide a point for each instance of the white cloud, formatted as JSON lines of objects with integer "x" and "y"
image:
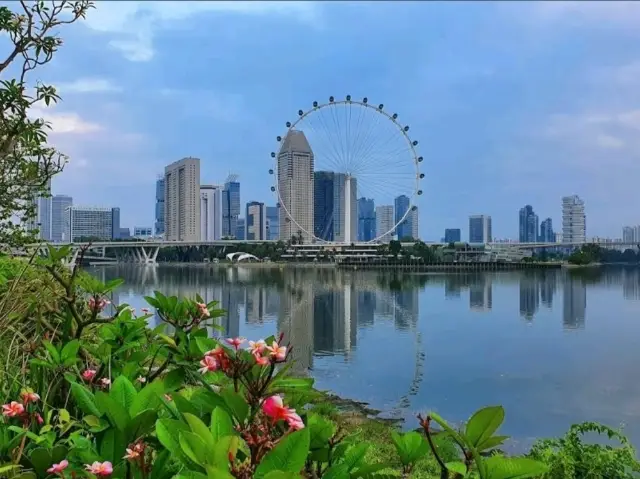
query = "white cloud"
{"x": 609, "y": 142}
{"x": 64, "y": 122}
{"x": 88, "y": 85}
{"x": 134, "y": 23}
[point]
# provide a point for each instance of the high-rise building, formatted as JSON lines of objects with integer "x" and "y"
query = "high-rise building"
{"x": 159, "y": 225}
{"x": 574, "y": 220}
{"x": 210, "y": 212}
{"x": 330, "y": 203}
{"x": 256, "y": 219}
{"x": 546, "y": 231}
{"x": 529, "y": 225}
{"x": 384, "y": 223}
{"x": 295, "y": 184}
{"x": 230, "y": 206}
{"x": 409, "y": 226}
{"x": 182, "y": 200}
{"x": 480, "y": 229}
{"x": 452, "y": 235}
{"x": 366, "y": 219}
{"x": 41, "y": 221}
{"x": 273, "y": 223}
{"x": 240, "y": 229}
{"x": 59, "y": 204}
{"x": 85, "y": 223}
{"x": 142, "y": 232}
{"x": 628, "y": 234}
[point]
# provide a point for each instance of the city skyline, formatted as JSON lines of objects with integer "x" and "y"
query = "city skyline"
{"x": 579, "y": 124}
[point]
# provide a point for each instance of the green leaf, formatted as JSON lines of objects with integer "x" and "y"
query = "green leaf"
{"x": 483, "y": 424}
{"x": 147, "y": 398}
{"x": 499, "y": 467}
{"x": 216, "y": 473}
{"x": 221, "y": 424}
{"x": 320, "y": 430}
{"x": 41, "y": 460}
{"x": 491, "y": 442}
{"x": 200, "y": 429}
{"x": 226, "y": 445}
{"x": 338, "y": 471}
{"x": 193, "y": 447}
{"x": 112, "y": 446}
{"x": 457, "y": 467}
{"x": 168, "y": 431}
{"x": 117, "y": 414}
{"x": 53, "y": 352}
{"x": 355, "y": 455}
{"x": 236, "y": 404}
{"x": 142, "y": 423}
{"x": 368, "y": 471}
{"x": 291, "y": 383}
{"x": 284, "y": 475}
{"x": 85, "y": 399}
{"x": 70, "y": 352}
{"x": 123, "y": 392}
{"x": 410, "y": 446}
{"x": 289, "y": 455}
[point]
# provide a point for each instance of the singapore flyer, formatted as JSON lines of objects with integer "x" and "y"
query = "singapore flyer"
{"x": 346, "y": 171}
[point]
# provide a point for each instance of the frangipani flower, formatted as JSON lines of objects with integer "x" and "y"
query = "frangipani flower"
{"x": 235, "y": 342}
{"x": 58, "y": 468}
{"x": 274, "y": 408}
{"x": 257, "y": 347}
{"x": 278, "y": 352}
{"x": 28, "y": 397}
{"x": 203, "y": 310}
{"x": 13, "y": 409}
{"x": 89, "y": 374}
{"x": 209, "y": 364}
{"x": 100, "y": 468}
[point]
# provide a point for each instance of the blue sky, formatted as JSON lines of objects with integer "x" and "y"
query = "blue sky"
{"x": 513, "y": 103}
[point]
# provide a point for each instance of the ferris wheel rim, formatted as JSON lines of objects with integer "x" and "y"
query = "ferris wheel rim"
{"x": 414, "y": 156}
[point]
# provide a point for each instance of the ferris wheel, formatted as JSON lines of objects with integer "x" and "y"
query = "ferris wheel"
{"x": 346, "y": 171}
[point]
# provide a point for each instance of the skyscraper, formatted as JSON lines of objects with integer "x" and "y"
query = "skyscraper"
{"x": 330, "y": 215}
{"x": 240, "y": 229}
{"x": 452, "y": 235}
{"x": 85, "y": 223}
{"x": 574, "y": 220}
{"x": 59, "y": 204}
{"x": 230, "y": 206}
{"x": 480, "y": 229}
{"x": 402, "y": 204}
{"x": 182, "y": 200}
{"x": 384, "y": 223}
{"x": 256, "y": 218}
{"x": 366, "y": 219}
{"x": 546, "y": 231}
{"x": 159, "y": 226}
{"x": 629, "y": 234}
{"x": 273, "y": 223}
{"x": 529, "y": 225}
{"x": 295, "y": 184}
{"x": 41, "y": 221}
{"x": 210, "y": 212}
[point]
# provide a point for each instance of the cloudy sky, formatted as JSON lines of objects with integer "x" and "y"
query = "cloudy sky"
{"x": 513, "y": 103}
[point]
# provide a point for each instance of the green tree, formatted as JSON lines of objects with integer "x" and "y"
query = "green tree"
{"x": 395, "y": 247}
{"x": 27, "y": 162}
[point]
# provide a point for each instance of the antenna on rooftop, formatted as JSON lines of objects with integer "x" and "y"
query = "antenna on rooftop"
{"x": 232, "y": 178}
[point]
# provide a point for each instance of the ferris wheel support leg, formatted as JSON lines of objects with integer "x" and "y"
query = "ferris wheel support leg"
{"x": 347, "y": 210}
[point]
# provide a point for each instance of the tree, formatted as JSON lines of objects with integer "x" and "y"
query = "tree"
{"x": 27, "y": 162}
{"x": 395, "y": 247}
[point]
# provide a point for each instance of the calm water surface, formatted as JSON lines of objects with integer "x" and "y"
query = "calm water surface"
{"x": 553, "y": 347}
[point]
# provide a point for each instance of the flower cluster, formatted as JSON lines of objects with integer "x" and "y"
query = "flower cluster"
{"x": 219, "y": 358}
{"x": 17, "y": 409}
{"x": 103, "y": 469}
{"x": 97, "y": 304}
{"x": 274, "y": 408}
{"x": 90, "y": 374}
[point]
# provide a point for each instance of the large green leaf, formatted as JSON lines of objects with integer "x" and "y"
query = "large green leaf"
{"x": 40, "y": 460}
{"x": 289, "y": 455}
{"x": 85, "y": 399}
{"x": 112, "y": 446}
{"x": 70, "y": 352}
{"x": 168, "y": 431}
{"x": 284, "y": 475}
{"x": 355, "y": 455}
{"x": 237, "y": 404}
{"x": 117, "y": 414}
{"x": 193, "y": 447}
{"x": 457, "y": 467}
{"x": 338, "y": 471}
{"x": 148, "y": 397}
{"x": 320, "y": 430}
{"x": 410, "y": 446}
{"x": 483, "y": 424}
{"x": 142, "y": 423}
{"x": 200, "y": 429}
{"x": 221, "y": 424}
{"x": 224, "y": 447}
{"x": 499, "y": 467}
{"x": 123, "y": 392}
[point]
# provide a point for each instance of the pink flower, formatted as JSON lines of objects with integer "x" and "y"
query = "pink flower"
{"x": 12, "y": 409}
{"x": 58, "y": 468}
{"x": 209, "y": 364}
{"x": 278, "y": 352}
{"x": 145, "y": 310}
{"x": 132, "y": 453}
{"x": 100, "y": 468}
{"x": 261, "y": 360}
{"x": 257, "y": 347}
{"x": 203, "y": 310}
{"x": 28, "y": 397}
{"x": 106, "y": 382}
{"x": 235, "y": 342}
{"x": 141, "y": 379}
{"x": 89, "y": 374}
{"x": 97, "y": 305}
{"x": 294, "y": 420}
{"x": 215, "y": 352}
{"x": 39, "y": 418}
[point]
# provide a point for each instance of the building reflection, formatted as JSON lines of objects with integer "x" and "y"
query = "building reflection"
{"x": 481, "y": 293}
{"x": 631, "y": 284}
{"x": 529, "y": 296}
{"x": 574, "y": 303}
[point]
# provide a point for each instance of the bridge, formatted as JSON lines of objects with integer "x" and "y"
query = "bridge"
{"x": 146, "y": 252}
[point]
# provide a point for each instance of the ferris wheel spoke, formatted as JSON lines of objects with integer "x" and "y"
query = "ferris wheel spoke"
{"x": 365, "y": 139}
{"x": 328, "y": 153}
{"x": 333, "y": 140}
{"x": 336, "y": 122}
{"x": 358, "y": 134}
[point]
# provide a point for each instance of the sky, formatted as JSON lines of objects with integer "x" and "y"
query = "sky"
{"x": 513, "y": 103}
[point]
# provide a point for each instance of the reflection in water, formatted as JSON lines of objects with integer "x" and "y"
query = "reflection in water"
{"x": 408, "y": 342}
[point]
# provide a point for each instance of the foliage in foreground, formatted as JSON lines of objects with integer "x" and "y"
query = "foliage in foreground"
{"x": 103, "y": 395}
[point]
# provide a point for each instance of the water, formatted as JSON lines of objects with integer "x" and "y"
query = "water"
{"x": 553, "y": 347}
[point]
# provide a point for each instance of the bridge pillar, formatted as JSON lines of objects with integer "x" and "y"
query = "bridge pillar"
{"x": 143, "y": 257}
